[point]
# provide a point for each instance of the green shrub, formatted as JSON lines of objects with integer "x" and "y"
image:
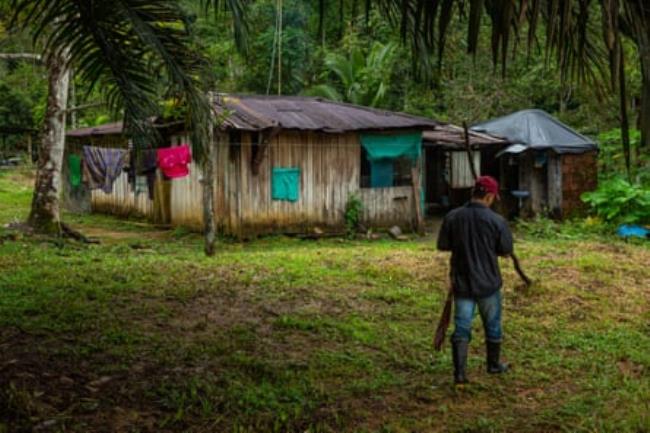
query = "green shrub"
{"x": 353, "y": 213}
{"x": 617, "y": 201}
{"x": 574, "y": 229}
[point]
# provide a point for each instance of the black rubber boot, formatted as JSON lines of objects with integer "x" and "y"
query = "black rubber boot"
{"x": 459, "y": 354}
{"x": 494, "y": 366}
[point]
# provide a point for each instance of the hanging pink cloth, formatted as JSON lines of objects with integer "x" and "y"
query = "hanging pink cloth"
{"x": 173, "y": 161}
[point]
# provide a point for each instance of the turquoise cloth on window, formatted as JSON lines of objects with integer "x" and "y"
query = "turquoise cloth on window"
{"x": 381, "y": 173}
{"x": 74, "y": 169}
{"x": 391, "y": 146}
{"x": 285, "y": 184}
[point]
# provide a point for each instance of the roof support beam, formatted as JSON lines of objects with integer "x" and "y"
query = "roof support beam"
{"x": 263, "y": 142}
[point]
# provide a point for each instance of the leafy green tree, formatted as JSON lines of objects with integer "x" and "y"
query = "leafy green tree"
{"x": 579, "y": 51}
{"x": 125, "y": 47}
{"x": 363, "y": 78}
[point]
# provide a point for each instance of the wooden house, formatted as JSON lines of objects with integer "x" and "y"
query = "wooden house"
{"x": 448, "y": 178}
{"x": 283, "y": 164}
{"x": 547, "y": 165}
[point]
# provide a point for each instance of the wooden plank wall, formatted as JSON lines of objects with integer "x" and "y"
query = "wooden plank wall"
{"x": 186, "y": 196}
{"x": 460, "y": 170}
{"x": 329, "y": 172}
{"x": 122, "y": 200}
{"x": 384, "y": 207}
{"x": 531, "y": 179}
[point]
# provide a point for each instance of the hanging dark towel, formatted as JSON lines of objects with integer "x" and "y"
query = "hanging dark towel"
{"x": 146, "y": 166}
{"x": 103, "y": 166}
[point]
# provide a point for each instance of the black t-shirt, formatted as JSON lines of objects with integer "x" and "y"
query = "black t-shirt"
{"x": 475, "y": 235}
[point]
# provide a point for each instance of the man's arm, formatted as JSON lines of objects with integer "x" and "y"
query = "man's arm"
{"x": 504, "y": 243}
{"x": 444, "y": 237}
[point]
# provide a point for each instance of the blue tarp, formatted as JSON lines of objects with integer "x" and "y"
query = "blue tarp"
{"x": 635, "y": 231}
{"x": 538, "y": 130}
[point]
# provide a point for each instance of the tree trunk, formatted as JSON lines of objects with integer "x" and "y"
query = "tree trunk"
{"x": 644, "y": 120}
{"x": 45, "y": 216}
{"x": 625, "y": 124}
{"x": 210, "y": 228}
{"x": 642, "y": 39}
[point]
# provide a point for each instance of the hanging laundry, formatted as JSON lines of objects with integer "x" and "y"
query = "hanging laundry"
{"x": 140, "y": 185}
{"x": 74, "y": 170}
{"x": 173, "y": 161}
{"x": 102, "y": 166}
{"x": 142, "y": 170}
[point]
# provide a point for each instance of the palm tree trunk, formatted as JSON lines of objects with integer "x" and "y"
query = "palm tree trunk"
{"x": 209, "y": 226}
{"x": 45, "y": 214}
{"x": 641, "y": 35}
{"x": 644, "y": 120}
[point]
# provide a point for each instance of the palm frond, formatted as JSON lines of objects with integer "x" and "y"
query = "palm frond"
{"x": 237, "y": 12}
{"x": 126, "y": 48}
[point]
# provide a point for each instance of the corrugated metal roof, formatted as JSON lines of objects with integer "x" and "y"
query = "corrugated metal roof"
{"x": 106, "y": 129}
{"x": 452, "y": 136}
{"x": 256, "y": 113}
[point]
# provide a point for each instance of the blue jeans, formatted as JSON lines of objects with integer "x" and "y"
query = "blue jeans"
{"x": 490, "y": 310}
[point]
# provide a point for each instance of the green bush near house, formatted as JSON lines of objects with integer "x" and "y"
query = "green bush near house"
{"x": 618, "y": 201}
{"x": 353, "y": 214}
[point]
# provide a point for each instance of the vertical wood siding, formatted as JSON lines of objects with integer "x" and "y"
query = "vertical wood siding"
{"x": 122, "y": 200}
{"x": 385, "y": 207}
{"x": 329, "y": 173}
{"x": 186, "y": 196}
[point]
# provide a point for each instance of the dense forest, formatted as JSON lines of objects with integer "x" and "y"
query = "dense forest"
{"x": 343, "y": 50}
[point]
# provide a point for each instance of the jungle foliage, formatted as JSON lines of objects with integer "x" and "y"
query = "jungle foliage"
{"x": 344, "y": 51}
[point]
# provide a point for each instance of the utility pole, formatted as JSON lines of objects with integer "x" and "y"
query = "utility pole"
{"x": 279, "y": 47}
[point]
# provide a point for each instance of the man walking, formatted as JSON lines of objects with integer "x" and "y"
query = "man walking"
{"x": 476, "y": 235}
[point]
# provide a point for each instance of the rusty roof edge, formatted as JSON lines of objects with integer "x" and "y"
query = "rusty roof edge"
{"x": 377, "y": 111}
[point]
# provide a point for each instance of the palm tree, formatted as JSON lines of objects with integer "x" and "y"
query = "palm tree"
{"x": 126, "y": 47}
{"x": 363, "y": 79}
{"x": 572, "y": 36}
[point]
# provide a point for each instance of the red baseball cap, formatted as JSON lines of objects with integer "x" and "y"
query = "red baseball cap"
{"x": 488, "y": 184}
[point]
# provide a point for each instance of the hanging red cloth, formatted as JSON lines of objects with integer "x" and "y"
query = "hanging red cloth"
{"x": 173, "y": 161}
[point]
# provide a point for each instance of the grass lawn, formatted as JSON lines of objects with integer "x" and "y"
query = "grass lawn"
{"x": 142, "y": 333}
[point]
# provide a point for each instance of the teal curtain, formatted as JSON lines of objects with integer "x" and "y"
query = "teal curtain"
{"x": 285, "y": 184}
{"x": 391, "y": 146}
{"x": 74, "y": 170}
{"x": 381, "y": 173}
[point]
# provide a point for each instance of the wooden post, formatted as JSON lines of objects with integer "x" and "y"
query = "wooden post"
{"x": 417, "y": 198}
{"x": 470, "y": 154}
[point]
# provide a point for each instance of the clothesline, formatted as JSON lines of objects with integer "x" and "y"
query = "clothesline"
{"x": 100, "y": 167}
